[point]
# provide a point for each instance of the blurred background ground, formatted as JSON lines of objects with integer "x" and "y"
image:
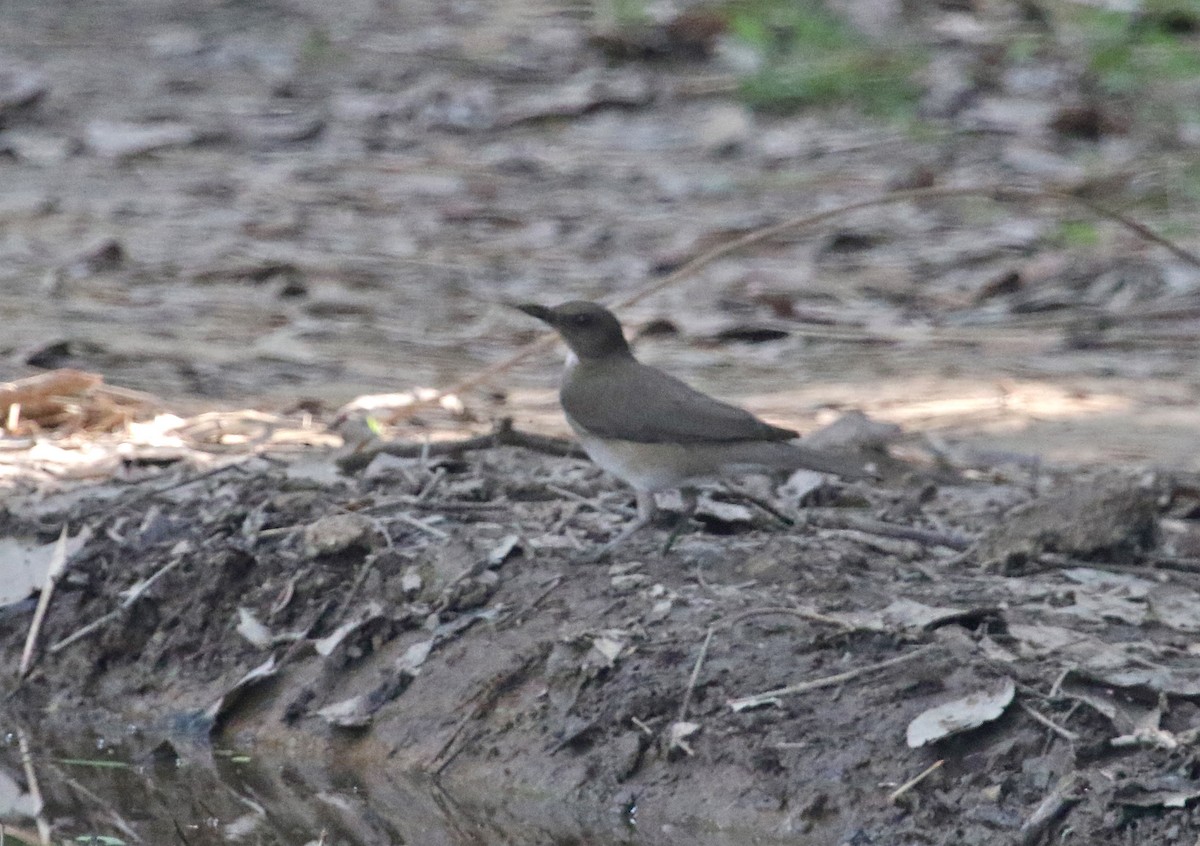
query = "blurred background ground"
{"x": 287, "y": 204}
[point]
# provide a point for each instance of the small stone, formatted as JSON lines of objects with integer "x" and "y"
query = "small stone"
{"x": 174, "y": 42}
{"x": 337, "y": 533}
{"x": 629, "y": 582}
{"x": 121, "y": 139}
{"x": 21, "y": 87}
{"x": 725, "y": 129}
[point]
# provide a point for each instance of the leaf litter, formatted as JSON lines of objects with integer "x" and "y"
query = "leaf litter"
{"x": 810, "y": 617}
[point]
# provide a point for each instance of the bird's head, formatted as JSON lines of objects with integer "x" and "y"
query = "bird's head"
{"x": 590, "y": 330}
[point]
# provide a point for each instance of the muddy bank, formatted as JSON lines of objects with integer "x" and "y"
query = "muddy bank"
{"x": 290, "y": 204}
{"x": 440, "y": 617}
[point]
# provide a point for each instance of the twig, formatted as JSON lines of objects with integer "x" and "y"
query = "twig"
{"x": 1177, "y": 563}
{"x": 1129, "y": 223}
{"x": 591, "y": 502}
{"x": 409, "y": 501}
{"x": 503, "y": 435}
{"x": 178, "y": 483}
{"x": 435, "y": 480}
{"x": 92, "y": 796}
{"x": 642, "y": 727}
{"x": 1061, "y": 799}
{"x": 687, "y": 694}
{"x": 895, "y": 795}
{"x": 762, "y": 504}
{"x": 744, "y": 702}
{"x": 58, "y": 564}
{"x": 482, "y": 700}
{"x": 35, "y": 790}
{"x": 802, "y": 613}
{"x": 1064, "y": 733}
{"x": 517, "y": 616}
{"x": 568, "y": 513}
{"x": 1000, "y": 193}
{"x": 834, "y": 519}
{"x": 409, "y": 520}
{"x": 359, "y": 579}
{"x": 132, "y": 595}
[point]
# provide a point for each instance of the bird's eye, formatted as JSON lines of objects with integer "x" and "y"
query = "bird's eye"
{"x": 581, "y": 319}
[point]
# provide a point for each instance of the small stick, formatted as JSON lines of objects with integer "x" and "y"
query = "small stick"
{"x": 537, "y": 600}
{"x": 1064, "y": 733}
{"x": 1058, "y": 801}
{"x": 1056, "y": 688}
{"x": 588, "y": 501}
{"x": 762, "y": 504}
{"x": 481, "y": 701}
{"x": 687, "y": 694}
{"x": 35, "y": 790}
{"x": 411, "y": 502}
{"x": 895, "y": 795}
{"x": 363, "y": 570}
{"x": 802, "y": 613}
{"x": 829, "y": 519}
{"x": 569, "y": 512}
{"x": 642, "y": 727}
{"x": 132, "y": 594}
{"x": 503, "y": 435}
{"x": 409, "y": 520}
{"x": 58, "y": 564}
{"x": 434, "y": 481}
{"x": 1000, "y": 193}
{"x": 766, "y": 697}
{"x": 445, "y": 747}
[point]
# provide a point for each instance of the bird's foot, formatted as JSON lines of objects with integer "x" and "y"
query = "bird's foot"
{"x": 678, "y": 526}
{"x": 690, "y": 501}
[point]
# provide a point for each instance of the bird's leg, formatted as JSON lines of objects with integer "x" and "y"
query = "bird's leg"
{"x": 646, "y": 509}
{"x": 691, "y": 498}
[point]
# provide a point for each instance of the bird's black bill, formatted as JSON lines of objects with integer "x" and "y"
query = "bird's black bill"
{"x": 539, "y": 311}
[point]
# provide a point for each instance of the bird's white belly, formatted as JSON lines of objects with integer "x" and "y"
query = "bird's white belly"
{"x": 627, "y": 461}
{"x": 646, "y": 467}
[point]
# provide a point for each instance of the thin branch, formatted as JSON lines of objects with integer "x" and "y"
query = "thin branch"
{"x": 1064, "y": 733}
{"x": 409, "y": 520}
{"x": 503, "y": 435}
{"x": 58, "y": 565}
{"x": 131, "y": 595}
{"x": 896, "y": 794}
{"x": 767, "y": 697}
{"x": 1141, "y": 230}
{"x": 687, "y": 694}
{"x": 835, "y": 519}
{"x": 999, "y": 193}
{"x": 35, "y": 790}
{"x": 802, "y": 613}
{"x": 1065, "y": 794}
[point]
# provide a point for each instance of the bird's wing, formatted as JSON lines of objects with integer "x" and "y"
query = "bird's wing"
{"x": 629, "y": 401}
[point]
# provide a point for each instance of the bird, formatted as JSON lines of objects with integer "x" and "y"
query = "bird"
{"x": 655, "y": 432}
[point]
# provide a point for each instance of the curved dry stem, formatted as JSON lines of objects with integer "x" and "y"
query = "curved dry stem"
{"x": 999, "y": 193}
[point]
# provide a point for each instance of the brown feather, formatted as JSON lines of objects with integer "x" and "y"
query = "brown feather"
{"x": 629, "y": 401}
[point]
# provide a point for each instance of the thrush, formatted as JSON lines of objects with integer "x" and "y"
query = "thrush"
{"x": 654, "y": 432}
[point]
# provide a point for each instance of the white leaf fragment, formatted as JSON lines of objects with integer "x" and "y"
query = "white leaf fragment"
{"x": 252, "y": 629}
{"x": 960, "y": 715}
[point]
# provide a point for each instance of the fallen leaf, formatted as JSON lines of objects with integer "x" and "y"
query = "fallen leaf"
{"x": 252, "y": 630}
{"x": 231, "y": 697}
{"x": 960, "y": 715}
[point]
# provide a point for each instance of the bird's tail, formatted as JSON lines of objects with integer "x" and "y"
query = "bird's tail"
{"x": 784, "y": 455}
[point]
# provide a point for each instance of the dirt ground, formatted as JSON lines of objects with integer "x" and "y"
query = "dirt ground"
{"x": 286, "y": 205}
{"x": 441, "y": 616}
